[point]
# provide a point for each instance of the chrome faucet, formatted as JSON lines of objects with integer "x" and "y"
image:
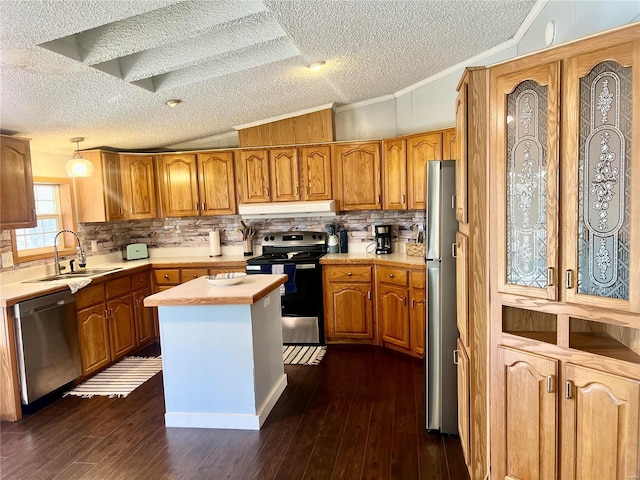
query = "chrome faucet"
{"x": 81, "y": 255}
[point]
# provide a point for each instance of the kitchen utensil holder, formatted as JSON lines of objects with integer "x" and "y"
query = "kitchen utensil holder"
{"x": 247, "y": 246}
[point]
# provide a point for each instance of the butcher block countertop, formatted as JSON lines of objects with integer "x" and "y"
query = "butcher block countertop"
{"x": 200, "y": 292}
{"x": 362, "y": 258}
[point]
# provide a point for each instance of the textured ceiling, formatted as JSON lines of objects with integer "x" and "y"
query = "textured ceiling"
{"x": 103, "y": 69}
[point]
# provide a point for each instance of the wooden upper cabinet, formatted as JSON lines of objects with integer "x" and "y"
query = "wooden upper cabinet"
{"x": 216, "y": 181}
{"x": 316, "y": 172}
{"x": 599, "y": 425}
{"x": 528, "y": 401}
{"x": 601, "y": 178}
{"x": 178, "y": 180}
{"x": 462, "y": 162}
{"x": 357, "y": 174}
{"x": 525, "y": 153}
{"x": 17, "y": 203}
{"x": 420, "y": 149}
{"x": 285, "y": 176}
{"x": 253, "y": 176}
{"x": 450, "y": 148}
{"x": 99, "y": 197}
{"x": 394, "y": 174}
{"x": 138, "y": 186}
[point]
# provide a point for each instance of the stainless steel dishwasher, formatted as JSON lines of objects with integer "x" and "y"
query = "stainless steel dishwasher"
{"x": 47, "y": 344}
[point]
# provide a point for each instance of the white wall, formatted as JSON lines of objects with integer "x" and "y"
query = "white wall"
{"x": 48, "y": 162}
{"x": 372, "y": 120}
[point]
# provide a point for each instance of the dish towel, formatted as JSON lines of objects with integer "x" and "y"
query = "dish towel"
{"x": 290, "y": 284}
{"x": 279, "y": 270}
{"x": 74, "y": 284}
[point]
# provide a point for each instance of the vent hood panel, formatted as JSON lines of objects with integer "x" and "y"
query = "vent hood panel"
{"x": 322, "y": 208}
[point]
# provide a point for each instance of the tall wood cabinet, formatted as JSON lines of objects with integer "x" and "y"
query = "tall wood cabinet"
{"x": 472, "y": 265}
{"x": 565, "y": 284}
{"x": 17, "y": 203}
{"x": 99, "y": 197}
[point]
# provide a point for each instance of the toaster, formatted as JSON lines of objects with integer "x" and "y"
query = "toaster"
{"x": 135, "y": 251}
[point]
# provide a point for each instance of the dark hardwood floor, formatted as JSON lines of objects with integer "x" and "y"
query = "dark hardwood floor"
{"x": 358, "y": 415}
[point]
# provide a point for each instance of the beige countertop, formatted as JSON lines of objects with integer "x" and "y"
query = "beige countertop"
{"x": 200, "y": 292}
{"x": 398, "y": 259}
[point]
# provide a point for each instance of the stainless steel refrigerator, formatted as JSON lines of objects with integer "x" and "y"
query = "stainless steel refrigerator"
{"x": 441, "y": 332}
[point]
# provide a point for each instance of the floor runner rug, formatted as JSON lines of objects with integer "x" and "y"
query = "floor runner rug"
{"x": 302, "y": 354}
{"x": 121, "y": 379}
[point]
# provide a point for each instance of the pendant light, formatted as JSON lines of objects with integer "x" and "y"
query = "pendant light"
{"x": 78, "y": 166}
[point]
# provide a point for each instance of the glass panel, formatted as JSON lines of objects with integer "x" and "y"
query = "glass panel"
{"x": 45, "y": 208}
{"x": 527, "y": 185}
{"x": 44, "y": 192}
{"x": 50, "y": 225}
{"x": 604, "y": 171}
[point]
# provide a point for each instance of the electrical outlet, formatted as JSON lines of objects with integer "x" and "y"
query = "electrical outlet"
{"x": 7, "y": 260}
{"x": 94, "y": 245}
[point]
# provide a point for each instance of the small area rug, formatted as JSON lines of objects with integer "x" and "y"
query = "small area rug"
{"x": 121, "y": 379}
{"x": 302, "y": 354}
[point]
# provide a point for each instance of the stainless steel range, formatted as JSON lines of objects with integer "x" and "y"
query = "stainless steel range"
{"x": 298, "y": 255}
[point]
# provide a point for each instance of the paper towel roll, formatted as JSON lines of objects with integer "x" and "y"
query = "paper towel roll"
{"x": 214, "y": 244}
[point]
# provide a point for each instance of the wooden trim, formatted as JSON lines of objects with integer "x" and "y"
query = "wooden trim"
{"x": 10, "y": 409}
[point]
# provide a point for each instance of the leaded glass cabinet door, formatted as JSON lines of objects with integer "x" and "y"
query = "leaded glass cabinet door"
{"x": 526, "y": 155}
{"x": 602, "y": 178}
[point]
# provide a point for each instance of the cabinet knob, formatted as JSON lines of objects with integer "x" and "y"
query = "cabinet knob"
{"x": 391, "y": 275}
{"x": 349, "y": 274}
{"x": 195, "y": 275}
{"x": 167, "y": 277}
{"x": 569, "y": 279}
{"x": 455, "y": 357}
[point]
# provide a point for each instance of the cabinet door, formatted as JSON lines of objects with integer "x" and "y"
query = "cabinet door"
{"x": 253, "y": 176}
{"x": 112, "y": 186}
{"x": 348, "y": 311}
{"x": 417, "y": 312}
{"x": 17, "y": 203}
{"x": 216, "y": 182}
{"x": 526, "y": 157}
{"x": 599, "y": 426}
{"x": 393, "y": 315}
{"x": 462, "y": 286}
{"x": 394, "y": 174}
{"x": 462, "y": 162}
{"x": 285, "y": 176}
{"x": 122, "y": 334}
{"x": 145, "y": 329}
{"x": 316, "y": 172}
{"x": 602, "y": 178}
{"x": 450, "y": 150}
{"x": 138, "y": 185}
{"x": 94, "y": 338}
{"x": 421, "y": 149}
{"x": 463, "y": 401}
{"x": 178, "y": 176}
{"x": 527, "y": 401}
{"x": 358, "y": 173}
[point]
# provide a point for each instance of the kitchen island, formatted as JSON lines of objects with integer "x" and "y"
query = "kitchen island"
{"x": 221, "y": 352}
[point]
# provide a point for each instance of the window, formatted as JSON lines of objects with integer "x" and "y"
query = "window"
{"x": 54, "y": 213}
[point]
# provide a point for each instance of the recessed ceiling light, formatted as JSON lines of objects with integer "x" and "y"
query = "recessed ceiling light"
{"x": 174, "y": 102}
{"x": 315, "y": 66}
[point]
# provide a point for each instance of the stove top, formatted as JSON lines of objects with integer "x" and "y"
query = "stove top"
{"x": 291, "y": 247}
{"x": 285, "y": 257}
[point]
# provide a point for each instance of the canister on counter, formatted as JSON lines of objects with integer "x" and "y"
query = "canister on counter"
{"x": 344, "y": 244}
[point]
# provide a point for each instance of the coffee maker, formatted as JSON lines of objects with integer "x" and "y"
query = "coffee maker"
{"x": 383, "y": 239}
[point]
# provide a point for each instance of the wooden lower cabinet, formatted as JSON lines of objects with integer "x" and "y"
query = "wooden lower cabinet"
{"x": 145, "y": 324}
{"x": 463, "y": 400}
{"x": 122, "y": 332}
{"x": 597, "y": 426}
{"x": 417, "y": 311}
{"x": 393, "y": 315}
{"x": 348, "y": 304}
{"x": 94, "y": 338}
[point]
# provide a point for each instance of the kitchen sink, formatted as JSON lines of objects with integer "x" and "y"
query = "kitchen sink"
{"x": 89, "y": 272}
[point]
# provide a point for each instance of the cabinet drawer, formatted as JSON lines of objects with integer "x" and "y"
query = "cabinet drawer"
{"x": 117, "y": 287}
{"x": 418, "y": 279}
{"x": 90, "y": 295}
{"x": 166, "y": 276}
{"x": 187, "y": 274}
{"x": 355, "y": 273}
{"x": 392, "y": 276}
{"x": 140, "y": 280}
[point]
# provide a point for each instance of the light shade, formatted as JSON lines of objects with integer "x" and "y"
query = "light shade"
{"x": 78, "y": 166}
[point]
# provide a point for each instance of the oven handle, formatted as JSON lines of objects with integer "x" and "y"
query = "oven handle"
{"x": 302, "y": 266}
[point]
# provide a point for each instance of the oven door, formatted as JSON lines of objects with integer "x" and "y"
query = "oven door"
{"x": 302, "y": 311}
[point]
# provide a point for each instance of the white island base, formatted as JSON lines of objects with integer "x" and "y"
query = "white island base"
{"x": 222, "y": 363}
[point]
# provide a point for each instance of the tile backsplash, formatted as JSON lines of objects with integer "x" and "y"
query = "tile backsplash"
{"x": 194, "y": 231}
